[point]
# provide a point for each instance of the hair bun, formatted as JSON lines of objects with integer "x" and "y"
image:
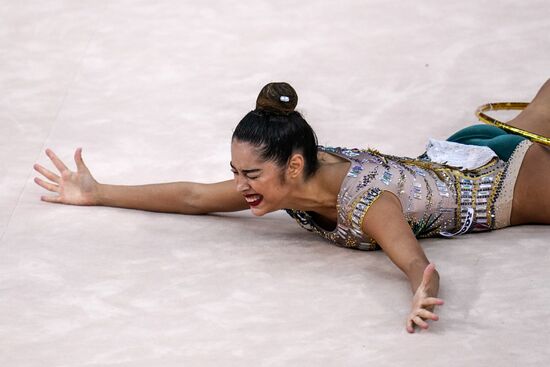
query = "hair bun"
{"x": 277, "y": 97}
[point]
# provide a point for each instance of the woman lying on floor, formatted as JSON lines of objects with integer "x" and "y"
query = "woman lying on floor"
{"x": 482, "y": 178}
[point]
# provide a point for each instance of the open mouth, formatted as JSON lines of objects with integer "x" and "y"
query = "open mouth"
{"x": 254, "y": 200}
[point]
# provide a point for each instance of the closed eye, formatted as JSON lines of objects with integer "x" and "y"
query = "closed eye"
{"x": 250, "y": 177}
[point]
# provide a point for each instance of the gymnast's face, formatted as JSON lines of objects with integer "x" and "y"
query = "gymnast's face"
{"x": 262, "y": 183}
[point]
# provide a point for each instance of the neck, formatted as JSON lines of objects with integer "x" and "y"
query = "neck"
{"x": 320, "y": 193}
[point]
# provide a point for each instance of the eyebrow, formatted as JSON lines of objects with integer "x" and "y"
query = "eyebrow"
{"x": 245, "y": 170}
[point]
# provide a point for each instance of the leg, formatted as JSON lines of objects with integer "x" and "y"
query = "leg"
{"x": 531, "y": 202}
{"x": 502, "y": 143}
{"x": 536, "y": 117}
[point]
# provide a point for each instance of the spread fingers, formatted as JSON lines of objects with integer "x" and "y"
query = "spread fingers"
{"x": 47, "y": 185}
{"x": 418, "y": 321}
{"x": 432, "y": 301}
{"x": 425, "y": 314}
{"x": 56, "y": 161}
{"x": 47, "y": 173}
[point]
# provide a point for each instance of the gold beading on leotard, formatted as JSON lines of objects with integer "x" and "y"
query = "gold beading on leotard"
{"x": 516, "y": 130}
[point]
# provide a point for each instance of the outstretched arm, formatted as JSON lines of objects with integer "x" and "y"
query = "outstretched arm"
{"x": 80, "y": 188}
{"x": 386, "y": 223}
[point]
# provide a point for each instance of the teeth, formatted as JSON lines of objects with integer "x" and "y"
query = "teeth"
{"x": 252, "y": 198}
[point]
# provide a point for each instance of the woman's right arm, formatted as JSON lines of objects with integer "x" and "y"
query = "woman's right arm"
{"x": 80, "y": 188}
{"x": 385, "y": 223}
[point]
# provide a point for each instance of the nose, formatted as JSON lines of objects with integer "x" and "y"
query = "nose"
{"x": 242, "y": 183}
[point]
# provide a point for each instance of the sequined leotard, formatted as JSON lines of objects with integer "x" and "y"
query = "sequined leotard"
{"x": 437, "y": 200}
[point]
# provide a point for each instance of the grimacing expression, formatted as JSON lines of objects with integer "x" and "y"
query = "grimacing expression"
{"x": 260, "y": 182}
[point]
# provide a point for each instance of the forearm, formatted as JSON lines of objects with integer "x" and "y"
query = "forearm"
{"x": 174, "y": 197}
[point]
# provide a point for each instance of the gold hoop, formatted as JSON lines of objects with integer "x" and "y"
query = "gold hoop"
{"x": 516, "y": 130}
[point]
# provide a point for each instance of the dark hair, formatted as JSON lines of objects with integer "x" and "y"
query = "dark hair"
{"x": 277, "y": 130}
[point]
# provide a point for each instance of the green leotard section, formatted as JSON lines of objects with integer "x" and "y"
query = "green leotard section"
{"x": 500, "y": 141}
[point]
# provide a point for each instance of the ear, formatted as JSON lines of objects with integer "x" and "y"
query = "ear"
{"x": 295, "y": 165}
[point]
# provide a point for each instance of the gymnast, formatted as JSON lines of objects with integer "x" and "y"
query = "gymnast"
{"x": 483, "y": 177}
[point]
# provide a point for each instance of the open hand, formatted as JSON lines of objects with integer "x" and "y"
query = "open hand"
{"x": 423, "y": 304}
{"x": 76, "y": 188}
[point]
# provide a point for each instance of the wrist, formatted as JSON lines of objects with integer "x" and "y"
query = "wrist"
{"x": 432, "y": 287}
{"x": 415, "y": 276}
{"x": 415, "y": 272}
{"x": 99, "y": 195}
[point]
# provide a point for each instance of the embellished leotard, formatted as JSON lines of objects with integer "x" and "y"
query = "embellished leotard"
{"x": 437, "y": 199}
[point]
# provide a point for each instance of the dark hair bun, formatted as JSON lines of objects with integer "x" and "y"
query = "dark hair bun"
{"x": 277, "y": 97}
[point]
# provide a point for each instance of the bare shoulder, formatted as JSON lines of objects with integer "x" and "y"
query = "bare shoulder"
{"x": 329, "y": 158}
{"x": 217, "y": 197}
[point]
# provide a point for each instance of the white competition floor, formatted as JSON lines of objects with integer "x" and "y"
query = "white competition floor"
{"x": 152, "y": 90}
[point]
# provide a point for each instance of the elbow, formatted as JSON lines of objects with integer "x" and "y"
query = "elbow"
{"x": 191, "y": 200}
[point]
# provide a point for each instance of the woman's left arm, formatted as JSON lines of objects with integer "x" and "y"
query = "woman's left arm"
{"x": 386, "y": 223}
